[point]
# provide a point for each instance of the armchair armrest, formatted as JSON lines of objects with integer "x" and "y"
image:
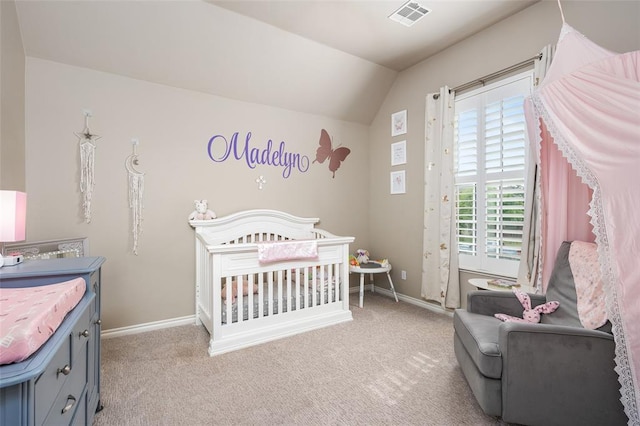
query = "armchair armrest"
{"x": 486, "y": 302}
{"x": 544, "y": 366}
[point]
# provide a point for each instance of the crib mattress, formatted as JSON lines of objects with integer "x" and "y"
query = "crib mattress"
{"x": 30, "y": 315}
{"x": 276, "y": 302}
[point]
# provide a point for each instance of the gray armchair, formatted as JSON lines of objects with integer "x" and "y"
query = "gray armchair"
{"x": 552, "y": 373}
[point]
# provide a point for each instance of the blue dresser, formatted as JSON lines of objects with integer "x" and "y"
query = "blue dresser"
{"x": 59, "y": 384}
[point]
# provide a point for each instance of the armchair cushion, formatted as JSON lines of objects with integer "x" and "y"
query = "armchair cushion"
{"x": 494, "y": 302}
{"x": 479, "y": 334}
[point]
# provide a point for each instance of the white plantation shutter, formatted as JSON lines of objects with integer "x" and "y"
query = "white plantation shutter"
{"x": 490, "y": 159}
{"x": 466, "y": 218}
{"x": 466, "y": 170}
{"x": 504, "y": 218}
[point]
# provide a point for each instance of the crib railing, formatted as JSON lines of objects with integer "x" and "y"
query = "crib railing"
{"x": 253, "y": 296}
{"x": 280, "y": 288}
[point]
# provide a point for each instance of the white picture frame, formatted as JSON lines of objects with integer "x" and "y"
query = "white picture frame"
{"x": 397, "y": 182}
{"x": 399, "y": 123}
{"x": 399, "y": 153}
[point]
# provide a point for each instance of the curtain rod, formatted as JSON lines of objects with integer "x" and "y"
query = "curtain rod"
{"x": 483, "y": 80}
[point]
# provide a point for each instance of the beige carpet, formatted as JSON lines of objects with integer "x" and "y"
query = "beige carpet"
{"x": 392, "y": 365}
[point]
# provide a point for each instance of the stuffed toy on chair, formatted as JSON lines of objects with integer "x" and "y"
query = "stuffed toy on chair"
{"x": 529, "y": 315}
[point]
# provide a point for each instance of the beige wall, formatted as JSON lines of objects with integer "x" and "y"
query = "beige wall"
{"x": 12, "y": 59}
{"x": 396, "y": 221}
{"x": 173, "y": 127}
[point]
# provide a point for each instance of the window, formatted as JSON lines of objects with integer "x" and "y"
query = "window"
{"x": 490, "y": 159}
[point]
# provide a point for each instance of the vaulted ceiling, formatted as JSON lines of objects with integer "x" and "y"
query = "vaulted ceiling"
{"x": 331, "y": 58}
{"x": 362, "y": 28}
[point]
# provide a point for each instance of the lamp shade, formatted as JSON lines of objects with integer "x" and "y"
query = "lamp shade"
{"x": 13, "y": 216}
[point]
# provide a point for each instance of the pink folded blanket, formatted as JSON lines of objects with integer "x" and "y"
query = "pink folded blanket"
{"x": 275, "y": 251}
{"x": 30, "y": 315}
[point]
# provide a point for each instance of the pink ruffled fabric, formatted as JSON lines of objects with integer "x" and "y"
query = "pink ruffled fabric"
{"x": 30, "y": 315}
{"x": 277, "y": 251}
{"x": 583, "y": 258}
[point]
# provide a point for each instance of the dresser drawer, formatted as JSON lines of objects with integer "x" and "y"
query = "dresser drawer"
{"x": 80, "y": 418}
{"x": 82, "y": 331}
{"x": 70, "y": 400}
{"x": 68, "y": 364}
{"x": 51, "y": 381}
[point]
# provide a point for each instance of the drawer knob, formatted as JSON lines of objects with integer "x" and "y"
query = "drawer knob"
{"x": 85, "y": 333}
{"x": 99, "y": 322}
{"x": 64, "y": 370}
{"x": 71, "y": 401}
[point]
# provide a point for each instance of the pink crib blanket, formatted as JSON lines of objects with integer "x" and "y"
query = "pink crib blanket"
{"x": 30, "y": 315}
{"x": 275, "y": 251}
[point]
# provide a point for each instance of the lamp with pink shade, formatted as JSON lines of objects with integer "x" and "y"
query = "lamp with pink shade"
{"x": 13, "y": 223}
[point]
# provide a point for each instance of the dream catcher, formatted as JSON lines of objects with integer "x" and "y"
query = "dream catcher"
{"x": 136, "y": 192}
{"x": 87, "y": 162}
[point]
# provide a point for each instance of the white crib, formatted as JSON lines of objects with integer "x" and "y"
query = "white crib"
{"x": 291, "y": 296}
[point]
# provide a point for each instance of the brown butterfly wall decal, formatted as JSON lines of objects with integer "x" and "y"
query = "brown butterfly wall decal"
{"x": 325, "y": 150}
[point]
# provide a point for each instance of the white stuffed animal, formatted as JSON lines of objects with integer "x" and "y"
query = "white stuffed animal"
{"x": 362, "y": 256}
{"x": 202, "y": 211}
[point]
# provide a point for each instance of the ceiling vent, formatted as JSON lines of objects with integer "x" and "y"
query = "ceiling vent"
{"x": 409, "y": 13}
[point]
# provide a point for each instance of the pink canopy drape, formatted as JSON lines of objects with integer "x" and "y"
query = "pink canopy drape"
{"x": 589, "y": 106}
{"x": 564, "y": 203}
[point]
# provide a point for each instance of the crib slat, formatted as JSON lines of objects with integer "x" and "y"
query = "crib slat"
{"x": 240, "y": 299}
{"x": 227, "y": 302}
{"x": 314, "y": 286}
{"x": 323, "y": 284}
{"x": 331, "y": 283}
{"x": 297, "y": 290}
{"x": 270, "y": 306}
{"x": 307, "y": 282}
{"x": 289, "y": 295}
{"x": 280, "y": 296}
{"x": 260, "y": 296}
{"x": 250, "y": 297}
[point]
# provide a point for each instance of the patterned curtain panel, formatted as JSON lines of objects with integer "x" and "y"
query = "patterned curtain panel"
{"x": 528, "y": 271}
{"x": 440, "y": 278}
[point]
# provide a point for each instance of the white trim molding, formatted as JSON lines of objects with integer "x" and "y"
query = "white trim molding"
{"x": 191, "y": 319}
{"x": 149, "y": 326}
{"x": 434, "y": 307}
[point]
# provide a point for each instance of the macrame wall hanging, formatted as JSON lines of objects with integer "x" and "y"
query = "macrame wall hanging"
{"x": 136, "y": 192}
{"x": 87, "y": 160}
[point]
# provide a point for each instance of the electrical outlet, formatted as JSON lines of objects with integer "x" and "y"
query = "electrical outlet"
{"x": 403, "y": 275}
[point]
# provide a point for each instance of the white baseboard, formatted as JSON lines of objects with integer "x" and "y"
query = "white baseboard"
{"x": 190, "y": 319}
{"x": 432, "y": 306}
{"x": 149, "y": 326}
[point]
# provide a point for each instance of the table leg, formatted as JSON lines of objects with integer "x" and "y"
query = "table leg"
{"x": 361, "y": 289}
{"x": 373, "y": 286}
{"x": 392, "y": 287}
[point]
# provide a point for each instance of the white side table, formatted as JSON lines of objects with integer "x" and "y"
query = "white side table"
{"x": 483, "y": 283}
{"x": 375, "y": 268}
